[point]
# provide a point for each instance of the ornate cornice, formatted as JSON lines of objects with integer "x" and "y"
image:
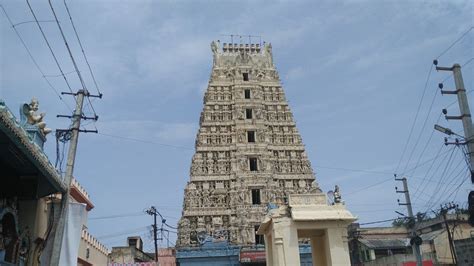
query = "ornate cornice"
{"x": 18, "y": 135}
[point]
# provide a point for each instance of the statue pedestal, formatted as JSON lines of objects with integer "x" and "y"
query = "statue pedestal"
{"x": 35, "y": 135}
{"x": 307, "y": 216}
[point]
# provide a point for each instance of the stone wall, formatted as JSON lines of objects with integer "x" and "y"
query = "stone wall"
{"x": 465, "y": 251}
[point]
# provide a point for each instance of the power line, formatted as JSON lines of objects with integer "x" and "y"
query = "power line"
{"x": 117, "y": 216}
{"x": 82, "y": 49}
{"x": 49, "y": 46}
{"x": 453, "y": 179}
{"x": 377, "y": 222}
{"x": 172, "y": 227}
{"x": 422, "y": 129}
{"x": 456, "y": 190}
{"x": 448, "y": 164}
{"x": 121, "y": 233}
{"x": 44, "y": 76}
{"x": 427, "y": 172}
{"x": 369, "y": 186}
{"x": 426, "y": 145}
{"x": 416, "y": 118}
{"x": 30, "y": 21}
{"x": 55, "y": 76}
{"x": 145, "y": 141}
{"x": 388, "y": 179}
{"x": 427, "y": 161}
{"x": 67, "y": 46}
{"x": 353, "y": 170}
{"x": 454, "y": 43}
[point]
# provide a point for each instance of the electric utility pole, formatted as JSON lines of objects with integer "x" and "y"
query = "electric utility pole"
{"x": 444, "y": 210}
{"x": 415, "y": 240}
{"x": 74, "y": 138}
{"x": 465, "y": 115}
{"x": 152, "y": 211}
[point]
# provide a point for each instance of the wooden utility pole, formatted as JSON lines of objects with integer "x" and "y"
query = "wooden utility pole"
{"x": 414, "y": 239}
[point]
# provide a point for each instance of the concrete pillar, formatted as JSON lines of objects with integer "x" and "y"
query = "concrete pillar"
{"x": 337, "y": 249}
{"x": 269, "y": 248}
{"x": 318, "y": 251}
{"x": 278, "y": 251}
{"x": 291, "y": 251}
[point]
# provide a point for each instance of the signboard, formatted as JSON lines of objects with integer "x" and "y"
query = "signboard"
{"x": 252, "y": 256}
{"x": 413, "y": 263}
{"x": 151, "y": 263}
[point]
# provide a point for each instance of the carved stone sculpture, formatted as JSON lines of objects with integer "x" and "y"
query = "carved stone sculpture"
{"x": 36, "y": 119}
{"x": 337, "y": 195}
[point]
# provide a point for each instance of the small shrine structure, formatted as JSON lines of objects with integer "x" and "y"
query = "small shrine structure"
{"x": 307, "y": 217}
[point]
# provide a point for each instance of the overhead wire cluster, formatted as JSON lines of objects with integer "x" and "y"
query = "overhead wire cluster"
{"x": 452, "y": 167}
{"x": 62, "y": 138}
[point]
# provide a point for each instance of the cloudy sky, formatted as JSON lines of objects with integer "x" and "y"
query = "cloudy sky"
{"x": 354, "y": 73}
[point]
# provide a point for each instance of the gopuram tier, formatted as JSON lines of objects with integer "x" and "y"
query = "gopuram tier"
{"x": 249, "y": 154}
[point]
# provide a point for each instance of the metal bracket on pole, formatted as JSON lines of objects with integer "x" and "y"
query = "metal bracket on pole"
{"x": 85, "y": 92}
{"x": 415, "y": 240}
{"x": 465, "y": 115}
{"x": 95, "y": 118}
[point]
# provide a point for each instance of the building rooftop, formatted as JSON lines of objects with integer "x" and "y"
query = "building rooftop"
{"x": 26, "y": 145}
{"x": 385, "y": 243}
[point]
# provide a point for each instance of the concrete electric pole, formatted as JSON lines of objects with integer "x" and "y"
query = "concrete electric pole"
{"x": 65, "y": 198}
{"x": 444, "y": 211}
{"x": 415, "y": 240}
{"x": 152, "y": 211}
{"x": 465, "y": 115}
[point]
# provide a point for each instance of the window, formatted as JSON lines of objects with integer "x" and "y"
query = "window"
{"x": 245, "y": 76}
{"x": 248, "y": 113}
{"x": 247, "y": 94}
{"x": 256, "y": 196}
{"x": 253, "y": 164}
{"x": 251, "y": 136}
{"x": 259, "y": 239}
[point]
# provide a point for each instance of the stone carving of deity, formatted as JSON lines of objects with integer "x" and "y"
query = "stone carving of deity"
{"x": 302, "y": 184}
{"x": 215, "y": 50}
{"x": 277, "y": 166}
{"x": 271, "y": 116}
{"x": 257, "y": 94}
{"x": 221, "y": 199}
{"x": 268, "y": 51}
{"x": 261, "y": 136}
{"x": 262, "y": 164}
{"x": 36, "y": 119}
{"x": 245, "y": 235}
{"x": 195, "y": 169}
{"x": 201, "y": 223}
{"x": 337, "y": 195}
{"x": 205, "y": 198}
{"x": 242, "y": 197}
{"x": 243, "y": 164}
{"x": 240, "y": 114}
{"x": 306, "y": 166}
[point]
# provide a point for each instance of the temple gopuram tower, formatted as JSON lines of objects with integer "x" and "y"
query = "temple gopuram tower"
{"x": 249, "y": 154}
